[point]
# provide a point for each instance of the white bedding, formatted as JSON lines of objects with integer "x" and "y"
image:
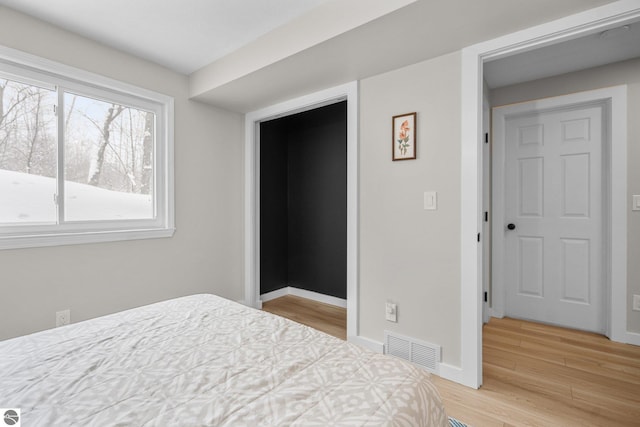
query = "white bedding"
{"x": 206, "y": 361}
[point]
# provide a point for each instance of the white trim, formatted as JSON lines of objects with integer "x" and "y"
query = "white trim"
{"x": 450, "y": 372}
{"x": 278, "y": 293}
{"x": 497, "y": 217}
{"x": 373, "y": 345}
{"x": 486, "y": 206}
{"x": 617, "y": 327}
{"x": 353, "y": 213}
{"x": 251, "y": 231}
{"x": 632, "y": 338}
{"x": 36, "y": 241}
{"x": 303, "y": 293}
{"x": 349, "y": 92}
{"x": 495, "y": 313}
{"x": 593, "y": 20}
{"x": 614, "y": 179}
{"x": 315, "y": 296}
{"x": 86, "y": 83}
{"x": 470, "y": 217}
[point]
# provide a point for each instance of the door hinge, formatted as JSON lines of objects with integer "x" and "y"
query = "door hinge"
{"x": 486, "y": 216}
{"x": 478, "y": 237}
{"x": 485, "y": 297}
{"x": 486, "y": 137}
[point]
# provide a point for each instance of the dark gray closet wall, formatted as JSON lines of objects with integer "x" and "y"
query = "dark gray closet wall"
{"x": 303, "y": 201}
{"x": 273, "y": 206}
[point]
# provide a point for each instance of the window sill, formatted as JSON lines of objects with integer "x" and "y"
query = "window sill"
{"x": 84, "y": 237}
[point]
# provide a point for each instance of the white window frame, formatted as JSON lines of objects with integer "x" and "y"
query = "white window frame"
{"x": 45, "y": 73}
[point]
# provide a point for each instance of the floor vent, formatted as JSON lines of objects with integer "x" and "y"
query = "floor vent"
{"x": 418, "y": 352}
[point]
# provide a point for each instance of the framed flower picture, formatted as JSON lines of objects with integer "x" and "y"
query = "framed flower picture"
{"x": 404, "y": 137}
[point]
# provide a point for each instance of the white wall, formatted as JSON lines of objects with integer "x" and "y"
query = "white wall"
{"x": 627, "y": 72}
{"x": 205, "y": 254}
{"x": 409, "y": 255}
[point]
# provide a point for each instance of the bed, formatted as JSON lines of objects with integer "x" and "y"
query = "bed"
{"x": 202, "y": 360}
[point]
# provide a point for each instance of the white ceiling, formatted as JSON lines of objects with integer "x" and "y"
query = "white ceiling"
{"x": 617, "y": 44}
{"x": 181, "y": 35}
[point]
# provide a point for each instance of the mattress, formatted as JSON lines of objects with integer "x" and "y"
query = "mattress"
{"x": 202, "y": 360}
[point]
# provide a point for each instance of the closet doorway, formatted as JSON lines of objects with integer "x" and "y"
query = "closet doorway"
{"x": 346, "y": 96}
{"x": 303, "y": 205}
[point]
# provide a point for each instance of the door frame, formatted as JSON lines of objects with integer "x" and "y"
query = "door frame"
{"x": 348, "y": 92}
{"x": 614, "y": 149}
{"x": 471, "y": 272}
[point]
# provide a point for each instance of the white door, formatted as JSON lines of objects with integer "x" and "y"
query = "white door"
{"x": 553, "y": 214}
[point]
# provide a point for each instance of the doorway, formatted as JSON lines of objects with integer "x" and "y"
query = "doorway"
{"x": 474, "y": 59}
{"x": 349, "y": 93}
{"x": 303, "y": 205}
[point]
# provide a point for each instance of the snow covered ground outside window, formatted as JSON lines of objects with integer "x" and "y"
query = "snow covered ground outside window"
{"x": 26, "y": 198}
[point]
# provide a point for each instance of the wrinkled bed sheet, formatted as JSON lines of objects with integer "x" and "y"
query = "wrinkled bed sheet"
{"x": 206, "y": 361}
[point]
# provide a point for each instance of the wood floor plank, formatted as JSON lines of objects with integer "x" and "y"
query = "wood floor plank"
{"x": 613, "y": 370}
{"x": 541, "y": 353}
{"x": 534, "y": 375}
{"x": 325, "y": 317}
{"x": 499, "y": 358}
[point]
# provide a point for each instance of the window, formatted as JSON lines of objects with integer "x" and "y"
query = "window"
{"x": 83, "y": 158}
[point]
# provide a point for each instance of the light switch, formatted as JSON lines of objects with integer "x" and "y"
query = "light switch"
{"x": 391, "y": 313}
{"x": 635, "y": 204}
{"x": 430, "y": 200}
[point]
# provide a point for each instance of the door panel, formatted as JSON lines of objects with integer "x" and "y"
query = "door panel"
{"x": 576, "y": 130}
{"x": 575, "y": 270}
{"x": 531, "y": 262}
{"x": 531, "y": 185}
{"x": 553, "y": 197}
{"x": 576, "y": 188}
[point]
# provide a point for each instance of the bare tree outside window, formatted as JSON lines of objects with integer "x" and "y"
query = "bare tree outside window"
{"x": 28, "y": 154}
{"x": 107, "y": 148}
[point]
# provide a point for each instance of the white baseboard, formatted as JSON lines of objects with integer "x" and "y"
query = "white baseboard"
{"x": 632, "y": 338}
{"x": 495, "y": 313}
{"x": 376, "y": 346}
{"x": 451, "y": 373}
{"x": 274, "y": 294}
{"x": 327, "y": 299}
{"x": 303, "y": 293}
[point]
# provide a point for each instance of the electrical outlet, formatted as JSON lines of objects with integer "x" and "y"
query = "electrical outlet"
{"x": 636, "y": 303}
{"x": 63, "y": 317}
{"x": 391, "y": 312}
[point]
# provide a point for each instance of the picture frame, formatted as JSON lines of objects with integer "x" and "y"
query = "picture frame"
{"x": 403, "y": 144}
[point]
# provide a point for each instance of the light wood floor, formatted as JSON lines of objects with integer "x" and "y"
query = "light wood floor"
{"x": 534, "y": 375}
{"x": 327, "y": 318}
{"x": 539, "y": 375}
